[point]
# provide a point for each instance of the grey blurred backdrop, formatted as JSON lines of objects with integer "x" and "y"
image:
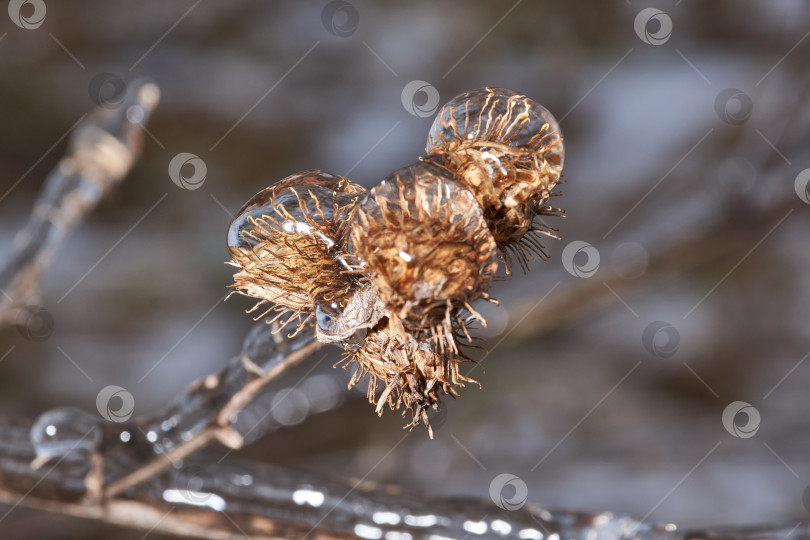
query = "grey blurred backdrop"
{"x": 575, "y": 401}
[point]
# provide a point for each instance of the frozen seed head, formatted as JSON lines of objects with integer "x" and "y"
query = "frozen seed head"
{"x": 426, "y": 244}
{"x": 391, "y": 274}
{"x": 429, "y": 254}
{"x": 287, "y": 243}
{"x": 508, "y": 151}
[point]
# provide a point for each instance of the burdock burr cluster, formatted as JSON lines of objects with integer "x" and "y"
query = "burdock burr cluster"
{"x": 391, "y": 273}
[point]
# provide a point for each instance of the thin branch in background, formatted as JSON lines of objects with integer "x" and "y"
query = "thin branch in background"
{"x": 103, "y": 148}
{"x": 725, "y": 236}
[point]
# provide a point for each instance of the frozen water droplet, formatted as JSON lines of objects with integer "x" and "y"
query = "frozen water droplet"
{"x": 59, "y": 432}
{"x": 326, "y": 317}
{"x": 494, "y": 115}
{"x": 302, "y": 204}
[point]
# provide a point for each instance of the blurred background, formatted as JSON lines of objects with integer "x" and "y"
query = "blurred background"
{"x": 608, "y": 368}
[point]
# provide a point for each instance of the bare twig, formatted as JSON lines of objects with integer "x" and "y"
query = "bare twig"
{"x": 236, "y": 387}
{"x": 103, "y": 148}
{"x": 236, "y": 499}
{"x": 689, "y": 251}
{"x": 729, "y": 234}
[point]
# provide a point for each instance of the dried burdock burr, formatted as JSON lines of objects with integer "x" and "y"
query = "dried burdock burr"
{"x": 507, "y": 149}
{"x": 287, "y": 243}
{"x": 425, "y": 244}
{"x": 391, "y": 274}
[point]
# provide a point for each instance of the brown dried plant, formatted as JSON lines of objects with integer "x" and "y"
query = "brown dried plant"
{"x": 391, "y": 274}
